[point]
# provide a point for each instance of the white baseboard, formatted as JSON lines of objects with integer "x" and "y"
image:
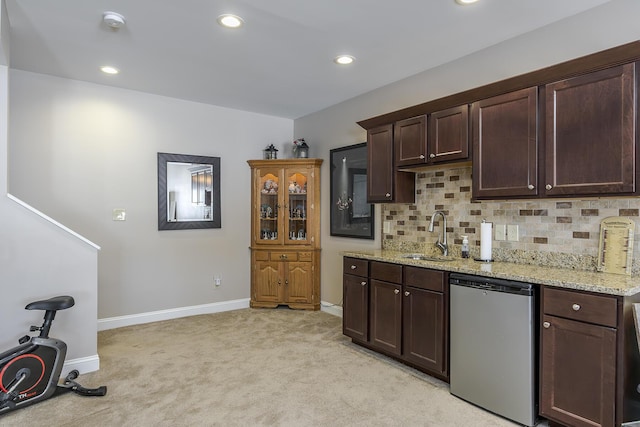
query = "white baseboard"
{"x": 174, "y": 313}
{"x": 82, "y": 364}
{"x": 327, "y": 307}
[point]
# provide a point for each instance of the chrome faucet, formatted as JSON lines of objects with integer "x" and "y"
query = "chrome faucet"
{"x": 442, "y": 240}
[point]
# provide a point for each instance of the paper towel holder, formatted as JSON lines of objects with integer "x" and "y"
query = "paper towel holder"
{"x": 480, "y": 259}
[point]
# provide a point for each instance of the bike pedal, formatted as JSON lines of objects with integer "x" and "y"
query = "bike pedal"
{"x": 24, "y": 339}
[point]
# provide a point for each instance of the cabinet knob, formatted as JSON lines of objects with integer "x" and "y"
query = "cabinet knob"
{"x": 546, "y": 325}
{"x": 575, "y": 307}
{"x": 363, "y": 283}
{"x": 279, "y": 282}
{"x": 406, "y": 293}
{"x": 396, "y": 291}
{"x": 548, "y": 186}
{"x": 353, "y": 267}
{"x": 432, "y": 156}
{"x": 286, "y": 282}
{"x": 531, "y": 186}
{"x": 421, "y": 156}
{"x": 387, "y": 195}
{"x": 283, "y": 256}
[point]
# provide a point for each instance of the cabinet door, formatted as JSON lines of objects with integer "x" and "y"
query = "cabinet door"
{"x": 590, "y": 133}
{"x": 423, "y": 329}
{"x": 296, "y": 212}
{"x": 384, "y": 183}
{"x": 410, "y": 141}
{"x": 386, "y": 316}
{"x": 299, "y": 282}
{"x": 578, "y": 372}
{"x": 380, "y": 155}
{"x": 449, "y": 135}
{"x": 355, "y": 314}
{"x": 505, "y": 145}
{"x": 268, "y": 286}
{"x": 268, "y": 206}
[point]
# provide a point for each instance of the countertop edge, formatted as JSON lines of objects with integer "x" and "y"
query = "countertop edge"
{"x": 602, "y": 283}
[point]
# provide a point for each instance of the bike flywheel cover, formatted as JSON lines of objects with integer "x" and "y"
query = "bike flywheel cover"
{"x": 29, "y": 364}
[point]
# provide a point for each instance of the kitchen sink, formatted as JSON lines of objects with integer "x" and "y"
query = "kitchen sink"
{"x": 421, "y": 257}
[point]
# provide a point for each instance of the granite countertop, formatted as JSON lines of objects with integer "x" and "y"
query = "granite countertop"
{"x": 604, "y": 283}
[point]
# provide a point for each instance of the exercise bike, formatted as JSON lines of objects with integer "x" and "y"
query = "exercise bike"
{"x": 30, "y": 372}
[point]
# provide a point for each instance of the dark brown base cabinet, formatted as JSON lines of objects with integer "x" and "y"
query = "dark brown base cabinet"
{"x": 588, "y": 359}
{"x": 400, "y": 311}
{"x": 355, "y": 321}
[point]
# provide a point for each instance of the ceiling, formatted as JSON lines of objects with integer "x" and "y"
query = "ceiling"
{"x": 280, "y": 62}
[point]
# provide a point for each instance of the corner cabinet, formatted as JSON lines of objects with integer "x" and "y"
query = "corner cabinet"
{"x": 285, "y": 233}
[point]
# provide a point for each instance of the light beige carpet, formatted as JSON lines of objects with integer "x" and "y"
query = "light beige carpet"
{"x": 251, "y": 368}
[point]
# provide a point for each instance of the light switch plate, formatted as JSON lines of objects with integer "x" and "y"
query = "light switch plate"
{"x": 500, "y": 232}
{"x": 386, "y": 227}
{"x": 119, "y": 215}
{"x": 512, "y": 233}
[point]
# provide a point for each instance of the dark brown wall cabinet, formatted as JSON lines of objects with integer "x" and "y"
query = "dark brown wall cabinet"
{"x": 384, "y": 182}
{"x": 505, "y": 145}
{"x": 590, "y": 134}
{"x": 589, "y": 143}
{"x": 449, "y": 135}
{"x": 443, "y": 137}
{"x": 410, "y": 141}
{"x": 399, "y": 311}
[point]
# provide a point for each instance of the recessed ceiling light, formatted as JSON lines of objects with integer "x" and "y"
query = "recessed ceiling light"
{"x": 107, "y": 69}
{"x": 230, "y": 21}
{"x": 113, "y": 20}
{"x": 344, "y": 59}
{"x": 465, "y": 2}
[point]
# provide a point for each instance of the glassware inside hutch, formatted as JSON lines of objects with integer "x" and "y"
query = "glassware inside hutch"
{"x": 297, "y": 206}
{"x": 269, "y": 207}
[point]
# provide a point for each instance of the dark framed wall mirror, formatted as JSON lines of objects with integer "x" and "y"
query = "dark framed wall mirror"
{"x": 188, "y": 192}
{"x": 351, "y": 215}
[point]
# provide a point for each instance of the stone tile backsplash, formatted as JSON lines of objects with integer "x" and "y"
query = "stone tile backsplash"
{"x": 554, "y": 232}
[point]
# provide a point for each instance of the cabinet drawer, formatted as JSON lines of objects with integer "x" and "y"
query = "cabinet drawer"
{"x": 357, "y": 267}
{"x": 597, "y": 309}
{"x": 385, "y": 271}
{"x": 305, "y": 256}
{"x": 284, "y": 256}
{"x": 424, "y": 278}
{"x": 261, "y": 255}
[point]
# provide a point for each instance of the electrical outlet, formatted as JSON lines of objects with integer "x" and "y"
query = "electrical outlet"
{"x": 512, "y": 233}
{"x": 501, "y": 232}
{"x": 386, "y": 227}
{"x": 217, "y": 280}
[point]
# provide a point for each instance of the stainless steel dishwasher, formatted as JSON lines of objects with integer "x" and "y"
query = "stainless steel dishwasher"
{"x": 493, "y": 342}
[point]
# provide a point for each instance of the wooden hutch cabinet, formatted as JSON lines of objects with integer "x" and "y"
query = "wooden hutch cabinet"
{"x": 285, "y": 233}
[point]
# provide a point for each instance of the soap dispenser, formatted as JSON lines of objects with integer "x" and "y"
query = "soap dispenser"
{"x": 465, "y": 247}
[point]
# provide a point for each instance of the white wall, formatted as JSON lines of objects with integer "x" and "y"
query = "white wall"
{"x": 39, "y": 260}
{"x": 609, "y": 25}
{"x": 79, "y": 150}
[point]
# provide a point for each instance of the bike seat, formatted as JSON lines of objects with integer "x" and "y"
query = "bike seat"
{"x": 55, "y": 303}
